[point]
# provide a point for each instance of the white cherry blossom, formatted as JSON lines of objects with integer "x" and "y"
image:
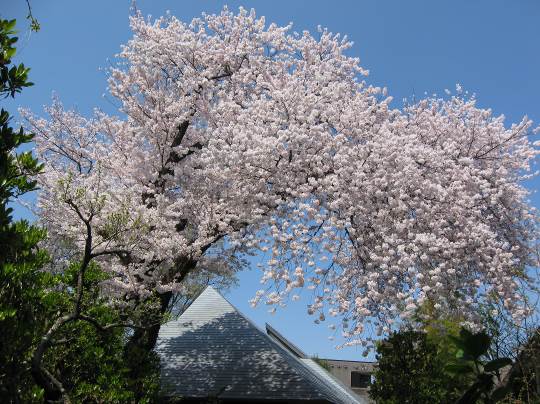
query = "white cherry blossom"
{"x": 236, "y": 137}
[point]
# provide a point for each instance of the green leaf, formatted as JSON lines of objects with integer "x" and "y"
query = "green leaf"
{"x": 7, "y": 313}
{"x": 458, "y": 342}
{"x": 10, "y": 26}
{"x": 9, "y": 53}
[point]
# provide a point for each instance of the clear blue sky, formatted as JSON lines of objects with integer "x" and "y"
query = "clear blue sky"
{"x": 490, "y": 47}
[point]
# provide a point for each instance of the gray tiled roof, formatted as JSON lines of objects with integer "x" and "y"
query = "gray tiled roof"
{"x": 213, "y": 350}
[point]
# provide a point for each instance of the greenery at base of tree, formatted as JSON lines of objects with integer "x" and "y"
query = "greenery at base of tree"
{"x": 440, "y": 366}
{"x": 470, "y": 361}
{"x": 522, "y": 379}
{"x": 92, "y": 363}
{"x": 411, "y": 370}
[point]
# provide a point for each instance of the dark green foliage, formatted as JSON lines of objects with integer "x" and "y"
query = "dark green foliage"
{"x": 523, "y": 378}
{"x": 22, "y": 286}
{"x": 12, "y": 77}
{"x": 470, "y": 361}
{"x": 22, "y": 282}
{"x": 16, "y": 168}
{"x": 91, "y": 362}
{"x": 415, "y": 367}
{"x": 412, "y": 370}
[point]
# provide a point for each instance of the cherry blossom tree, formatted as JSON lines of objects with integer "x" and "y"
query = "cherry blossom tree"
{"x": 238, "y": 137}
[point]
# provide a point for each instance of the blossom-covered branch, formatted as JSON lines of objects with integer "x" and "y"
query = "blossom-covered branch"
{"x": 243, "y": 132}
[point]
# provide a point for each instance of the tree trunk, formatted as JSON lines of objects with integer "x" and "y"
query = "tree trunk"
{"x": 53, "y": 388}
{"x": 138, "y": 352}
{"x": 146, "y": 338}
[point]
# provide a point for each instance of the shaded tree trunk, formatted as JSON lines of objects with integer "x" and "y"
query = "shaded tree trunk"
{"x": 146, "y": 338}
{"x": 140, "y": 346}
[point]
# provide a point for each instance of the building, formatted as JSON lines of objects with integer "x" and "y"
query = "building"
{"x": 356, "y": 375}
{"x": 214, "y": 353}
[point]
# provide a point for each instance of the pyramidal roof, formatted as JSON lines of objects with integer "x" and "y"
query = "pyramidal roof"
{"x": 213, "y": 351}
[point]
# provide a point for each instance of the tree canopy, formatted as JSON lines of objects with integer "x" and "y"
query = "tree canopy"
{"x": 237, "y": 136}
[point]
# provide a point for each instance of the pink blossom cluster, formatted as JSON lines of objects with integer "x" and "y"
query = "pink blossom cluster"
{"x": 235, "y": 137}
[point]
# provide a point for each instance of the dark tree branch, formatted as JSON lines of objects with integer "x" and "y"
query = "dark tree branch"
{"x": 110, "y": 326}
{"x": 54, "y": 390}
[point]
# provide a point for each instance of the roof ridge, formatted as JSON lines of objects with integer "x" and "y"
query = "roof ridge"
{"x": 284, "y": 353}
{"x": 234, "y": 307}
{"x": 334, "y": 379}
{"x": 288, "y": 344}
{"x": 317, "y": 375}
{"x": 348, "y": 360}
{"x": 211, "y": 305}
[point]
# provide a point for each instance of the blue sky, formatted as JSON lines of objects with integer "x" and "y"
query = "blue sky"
{"x": 490, "y": 47}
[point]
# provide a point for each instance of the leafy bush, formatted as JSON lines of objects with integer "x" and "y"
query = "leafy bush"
{"x": 411, "y": 370}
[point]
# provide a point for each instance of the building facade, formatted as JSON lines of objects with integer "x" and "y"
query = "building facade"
{"x": 356, "y": 375}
